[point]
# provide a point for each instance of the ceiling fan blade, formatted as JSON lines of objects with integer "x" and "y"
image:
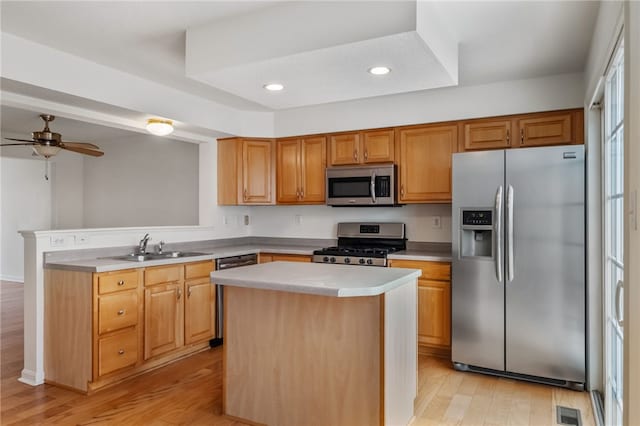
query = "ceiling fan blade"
{"x": 20, "y": 140}
{"x": 80, "y": 150}
{"x": 80, "y": 145}
{"x": 15, "y": 144}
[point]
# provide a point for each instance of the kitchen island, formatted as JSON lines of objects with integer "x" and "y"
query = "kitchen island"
{"x": 319, "y": 344}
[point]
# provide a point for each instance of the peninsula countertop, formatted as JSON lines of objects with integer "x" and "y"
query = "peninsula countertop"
{"x": 317, "y": 278}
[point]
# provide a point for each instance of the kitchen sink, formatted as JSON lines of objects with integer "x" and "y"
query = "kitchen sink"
{"x": 141, "y": 257}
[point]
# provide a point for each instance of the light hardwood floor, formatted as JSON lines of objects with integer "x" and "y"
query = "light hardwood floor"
{"x": 190, "y": 392}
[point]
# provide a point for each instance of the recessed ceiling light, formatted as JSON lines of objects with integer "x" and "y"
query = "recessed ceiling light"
{"x": 273, "y": 87}
{"x": 379, "y": 70}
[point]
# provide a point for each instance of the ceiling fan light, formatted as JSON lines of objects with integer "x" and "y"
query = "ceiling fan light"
{"x": 46, "y": 151}
{"x": 159, "y": 127}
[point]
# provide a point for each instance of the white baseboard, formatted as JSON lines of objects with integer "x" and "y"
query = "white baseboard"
{"x": 31, "y": 377}
{"x": 13, "y": 278}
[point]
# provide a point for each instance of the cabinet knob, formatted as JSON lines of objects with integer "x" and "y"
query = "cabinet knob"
{"x": 179, "y": 293}
{"x": 121, "y": 312}
{"x": 121, "y": 352}
{"x": 521, "y": 136}
{"x": 244, "y": 194}
{"x": 301, "y": 193}
{"x": 355, "y": 156}
{"x": 121, "y": 282}
{"x": 366, "y": 154}
{"x": 402, "y": 190}
{"x": 189, "y": 292}
{"x": 508, "y": 137}
{"x": 297, "y": 194}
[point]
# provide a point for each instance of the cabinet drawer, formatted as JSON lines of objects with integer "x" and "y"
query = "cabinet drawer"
{"x": 162, "y": 274}
{"x": 116, "y": 311}
{"x": 117, "y": 351}
{"x": 198, "y": 270}
{"x": 110, "y": 282}
{"x": 430, "y": 270}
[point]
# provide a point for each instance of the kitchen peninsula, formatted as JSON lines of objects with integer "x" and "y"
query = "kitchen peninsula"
{"x": 310, "y": 343}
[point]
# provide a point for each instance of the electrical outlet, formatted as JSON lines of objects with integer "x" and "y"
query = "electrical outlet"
{"x": 58, "y": 240}
{"x": 298, "y": 219}
{"x": 246, "y": 219}
{"x": 225, "y": 220}
{"x": 436, "y": 222}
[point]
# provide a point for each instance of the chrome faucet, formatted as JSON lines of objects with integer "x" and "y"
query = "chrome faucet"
{"x": 160, "y": 246}
{"x": 142, "y": 246}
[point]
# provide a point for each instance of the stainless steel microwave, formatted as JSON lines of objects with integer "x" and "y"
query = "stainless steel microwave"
{"x": 371, "y": 185}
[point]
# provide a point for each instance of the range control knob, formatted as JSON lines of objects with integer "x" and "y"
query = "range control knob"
{"x": 361, "y": 261}
{"x": 347, "y": 260}
{"x": 325, "y": 259}
{"x": 369, "y": 261}
{"x": 332, "y": 260}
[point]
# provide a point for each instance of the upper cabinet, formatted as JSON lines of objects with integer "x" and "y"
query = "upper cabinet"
{"x": 424, "y": 163}
{"x": 352, "y": 148}
{"x": 300, "y": 170}
{"x": 245, "y": 171}
{"x": 522, "y": 131}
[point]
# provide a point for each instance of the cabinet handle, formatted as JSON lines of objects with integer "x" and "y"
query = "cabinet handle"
{"x": 244, "y": 194}
{"x": 301, "y": 194}
{"x": 402, "y": 190}
{"x": 121, "y": 282}
{"x": 355, "y": 156}
{"x": 189, "y": 291}
{"x": 297, "y": 194}
{"x": 508, "y": 137}
{"x": 521, "y": 136}
{"x": 179, "y": 293}
{"x": 121, "y": 352}
{"x": 366, "y": 154}
{"x": 121, "y": 312}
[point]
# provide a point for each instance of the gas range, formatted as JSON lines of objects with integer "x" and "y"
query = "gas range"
{"x": 363, "y": 244}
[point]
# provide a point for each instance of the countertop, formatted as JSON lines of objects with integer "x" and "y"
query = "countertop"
{"x": 317, "y": 278}
{"x": 108, "y": 263}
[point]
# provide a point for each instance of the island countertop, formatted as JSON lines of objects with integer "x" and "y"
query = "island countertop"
{"x": 317, "y": 278}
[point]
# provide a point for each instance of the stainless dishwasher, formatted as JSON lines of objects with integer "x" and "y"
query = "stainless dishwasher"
{"x": 222, "y": 264}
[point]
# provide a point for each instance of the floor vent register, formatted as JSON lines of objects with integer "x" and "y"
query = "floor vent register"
{"x": 568, "y": 416}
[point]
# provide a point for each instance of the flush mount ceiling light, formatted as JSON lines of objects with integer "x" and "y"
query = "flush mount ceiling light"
{"x": 379, "y": 70}
{"x": 159, "y": 127}
{"x": 273, "y": 87}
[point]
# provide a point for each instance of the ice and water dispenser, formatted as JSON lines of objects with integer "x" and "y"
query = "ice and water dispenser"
{"x": 476, "y": 233}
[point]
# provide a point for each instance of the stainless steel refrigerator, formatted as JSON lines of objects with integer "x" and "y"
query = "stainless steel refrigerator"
{"x": 518, "y": 280}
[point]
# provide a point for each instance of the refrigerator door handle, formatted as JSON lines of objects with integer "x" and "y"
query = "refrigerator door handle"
{"x": 498, "y": 234}
{"x": 373, "y": 188}
{"x": 509, "y": 234}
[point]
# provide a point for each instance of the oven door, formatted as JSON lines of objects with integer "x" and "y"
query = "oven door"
{"x": 361, "y": 186}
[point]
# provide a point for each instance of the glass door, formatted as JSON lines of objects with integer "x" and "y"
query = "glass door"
{"x": 613, "y": 238}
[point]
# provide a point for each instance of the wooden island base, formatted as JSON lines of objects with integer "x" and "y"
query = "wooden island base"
{"x": 300, "y": 359}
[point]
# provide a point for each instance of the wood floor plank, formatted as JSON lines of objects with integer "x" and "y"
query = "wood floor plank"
{"x": 189, "y": 392}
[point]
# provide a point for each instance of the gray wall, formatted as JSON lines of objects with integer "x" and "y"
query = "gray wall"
{"x": 141, "y": 181}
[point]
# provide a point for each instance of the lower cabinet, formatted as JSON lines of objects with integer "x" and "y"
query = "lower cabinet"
{"x": 101, "y": 328}
{"x": 434, "y": 305}
{"x": 274, "y": 257}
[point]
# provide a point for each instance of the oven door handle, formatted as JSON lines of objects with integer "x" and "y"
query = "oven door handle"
{"x": 373, "y": 187}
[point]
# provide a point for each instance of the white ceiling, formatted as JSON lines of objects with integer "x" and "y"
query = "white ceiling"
{"x": 505, "y": 40}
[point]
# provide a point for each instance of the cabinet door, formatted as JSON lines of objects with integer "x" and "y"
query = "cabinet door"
{"x": 288, "y": 171}
{"x": 199, "y": 314}
{"x": 487, "y": 134}
{"x": 257, "y": 156}
{"x": 313, "y": 159}
{"x": 228, "y": 172}
{"x": 163, "y": 319}
{"x": 546, "y": 129}
{"x": 378, "y": 146}
{"x": 425, "y": 163}
{"x": 434, "y": 312}
{"x": 344, "y": 149}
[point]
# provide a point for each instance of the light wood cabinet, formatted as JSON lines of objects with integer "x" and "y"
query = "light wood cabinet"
{"x": 371, "y": 146}
{"x": 101, "y": 328}
{"x": 163, "y": 318}
{"x": 274, "y": 257}
{"x": 245, "y": 171}
{"x": 486, "y": 134}
{"x": 300, "y": 170}
{"x": 424, "y": 163}
{"x": 434, "y": 305}
{"x": 556, "y": 128}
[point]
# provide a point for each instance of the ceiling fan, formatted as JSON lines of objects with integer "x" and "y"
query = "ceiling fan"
{"x": 47, "y": 143}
